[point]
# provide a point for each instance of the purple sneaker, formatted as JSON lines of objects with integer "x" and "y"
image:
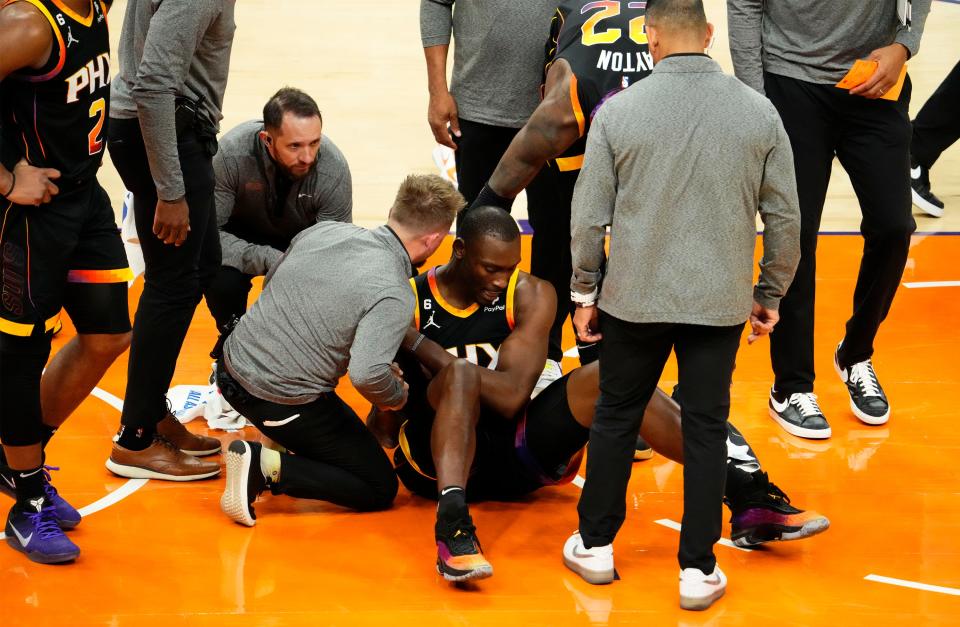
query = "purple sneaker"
{"x": 67, "y": 515}
{"x": 34, "y": 531}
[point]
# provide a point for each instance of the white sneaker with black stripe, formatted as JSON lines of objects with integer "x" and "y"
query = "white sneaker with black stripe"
{"x": 867, "y": 399}
{"x": 800, "y": 415}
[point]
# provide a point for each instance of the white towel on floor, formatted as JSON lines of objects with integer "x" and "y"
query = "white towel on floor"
{"x": 192, "y": 401}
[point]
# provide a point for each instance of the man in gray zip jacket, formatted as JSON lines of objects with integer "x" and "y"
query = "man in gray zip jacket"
{"x": 275, "y": 178}
{"x": 678, "y": 166}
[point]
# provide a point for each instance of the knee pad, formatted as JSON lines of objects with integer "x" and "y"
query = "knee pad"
{"x": 21, "y": 365}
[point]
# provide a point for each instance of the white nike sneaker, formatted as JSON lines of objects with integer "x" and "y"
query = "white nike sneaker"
{"x": 595, "y": 564}
{"x": 699, "y": 591}
{"x": 551, "y": 372}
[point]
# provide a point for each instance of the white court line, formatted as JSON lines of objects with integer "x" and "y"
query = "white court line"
{"x": 672, "y": 524}
{"x": 913, "y": 584}
{"x": 916, "y": 284}
{"x": 125, "y": 490}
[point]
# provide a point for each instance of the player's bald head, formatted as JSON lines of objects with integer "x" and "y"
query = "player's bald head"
{"x": 488, "y": 221}
{"x": 677, "y": 16}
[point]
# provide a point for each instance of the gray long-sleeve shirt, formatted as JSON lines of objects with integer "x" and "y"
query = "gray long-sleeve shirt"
{"x": 679, "y": 165}
{"x": 255, "y": 225}
{"x": 171, "y": 48}
{"x": 498, "y": 54}
{"x": 340, "y": 298}
{"x": 814, "y": 40}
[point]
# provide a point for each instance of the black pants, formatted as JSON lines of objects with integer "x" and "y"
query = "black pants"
{"x": 227, "y": 294}
{"x": 632, "y": 357}
{"x": 871, "y": 138}
{"x": 174, "y": 276}
{"x": 937, "y": 126}
{"x": 479, "y": 150}
{"x": 335, "y": 457}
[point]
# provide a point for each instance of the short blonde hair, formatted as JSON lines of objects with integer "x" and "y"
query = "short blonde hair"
{"x": 426, "y": 203}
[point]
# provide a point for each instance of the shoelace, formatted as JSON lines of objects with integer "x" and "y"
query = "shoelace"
{"x": 774, "y": 491}
{"x": 806, "y": 403}
{"x": 45, "y": 523}
{"x": 47, "y": 485}
{"x": 166, "y": 443}
{"x": 865, "y": 378}
{"x": 461, "y": 540}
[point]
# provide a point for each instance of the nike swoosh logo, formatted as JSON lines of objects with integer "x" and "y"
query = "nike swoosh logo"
{"x": 779, "y": 407}
{"x": 9, "y": 482}
{"x": 23, "y": 541}
{"x": 299, "y": 196}
{"x": 915, "y": 172}
{"x": 29, "y": 474}
{"x": 280, "y": 423}
{"x": 577, "y": 553}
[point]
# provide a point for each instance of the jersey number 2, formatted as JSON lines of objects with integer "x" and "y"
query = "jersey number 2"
{"x": 98, "y": 110}
{"x": 608, "y": 9}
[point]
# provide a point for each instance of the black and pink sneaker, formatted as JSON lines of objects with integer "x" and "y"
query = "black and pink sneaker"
{"x": 763, "y": 513}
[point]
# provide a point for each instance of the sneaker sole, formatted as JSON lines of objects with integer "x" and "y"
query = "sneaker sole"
{"x": 863, "y": 417}
{"x": 234, "y": 503}
{"x": 701, "y": 603}
{"x": 782, "y": 533}
{"x": 927, "y": 207}
{"x": 482, "y": 572}
{"x": 595, "y": 577}
{"x": 212, "y": 451}
{"x": 800, "y": 432}
{"x": 43, "y": 558}
{"x": 136, "y": 472}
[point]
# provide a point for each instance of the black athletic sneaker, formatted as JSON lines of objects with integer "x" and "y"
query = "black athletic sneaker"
{"x": 867, "y": 400}
{"x": 920, "y": 191}
{"x": 459, "y": 557}
{"x": 800, "y": 415}
{"x": 643, "y": 451}
{"x": 761, "y": 512}
{"x": 245, "y": 482}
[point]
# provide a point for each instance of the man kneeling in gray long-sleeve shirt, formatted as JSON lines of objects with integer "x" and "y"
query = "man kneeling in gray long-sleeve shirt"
{"x": 339, "y": 297}
{"x": 275, "y": 178}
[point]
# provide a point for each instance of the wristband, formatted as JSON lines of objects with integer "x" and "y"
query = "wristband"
{"x": 488, "y": 197}
{"x": 13, "y": 183}
{"x": 584, "y": 300}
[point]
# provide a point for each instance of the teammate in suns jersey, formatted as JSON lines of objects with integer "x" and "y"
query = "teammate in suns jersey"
{"x": 595, "y": 50}
{"x": 470, "y": 427}
{"x": 61, "y": 249}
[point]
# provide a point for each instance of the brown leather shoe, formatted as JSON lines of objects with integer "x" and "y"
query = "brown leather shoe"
{"x": 189, "y": 443}
{"x": 160, "y": 460}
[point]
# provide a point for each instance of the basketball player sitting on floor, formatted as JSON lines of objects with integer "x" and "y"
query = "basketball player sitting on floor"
{"x": 469, "y": 426}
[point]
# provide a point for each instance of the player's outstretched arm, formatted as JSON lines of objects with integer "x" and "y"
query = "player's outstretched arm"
{"x": 26, "y": 41}
{"x": 551, "y": 129}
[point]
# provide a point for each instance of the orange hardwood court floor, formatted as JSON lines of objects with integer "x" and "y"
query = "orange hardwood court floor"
{"x": 165, "y": 554}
